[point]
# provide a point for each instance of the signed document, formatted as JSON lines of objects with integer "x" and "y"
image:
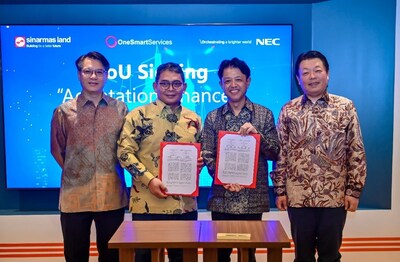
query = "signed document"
{"x": 237, "y": 159}
{"x": 178, "y": 168}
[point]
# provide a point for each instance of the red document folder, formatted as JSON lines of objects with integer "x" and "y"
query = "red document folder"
{"x": 178, "y": 168}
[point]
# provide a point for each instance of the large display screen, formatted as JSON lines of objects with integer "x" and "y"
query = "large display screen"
{"x": 39, "y": 73}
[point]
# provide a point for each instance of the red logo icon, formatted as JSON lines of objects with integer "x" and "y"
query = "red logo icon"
{"x": 20, "y": 41}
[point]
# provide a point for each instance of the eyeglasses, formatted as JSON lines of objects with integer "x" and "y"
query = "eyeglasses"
{"x": 87, "y": 72}
{"x": 166, "y": 84}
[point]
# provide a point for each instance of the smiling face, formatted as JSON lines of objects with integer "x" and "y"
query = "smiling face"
{"x": 234, "y": 84}
{"x": 313, "y": 78}
{"x": 92, "y": 76}
{"x": 170, "y": 88}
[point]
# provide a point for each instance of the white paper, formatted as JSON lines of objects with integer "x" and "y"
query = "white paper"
{"x": 236, "y": 159}
{"x": 179, "y": 169}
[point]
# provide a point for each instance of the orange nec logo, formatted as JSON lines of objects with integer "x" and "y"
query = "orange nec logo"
{"x": 20, "y": 41}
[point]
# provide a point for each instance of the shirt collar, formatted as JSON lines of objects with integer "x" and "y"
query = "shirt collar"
{"x": 248, "y": 105}
{"x": 324, "y": 98}
{"x": 82, "y": 100}
{"x": 163, "y": 106}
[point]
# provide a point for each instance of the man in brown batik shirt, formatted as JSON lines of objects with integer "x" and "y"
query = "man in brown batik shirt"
{"x": 84, "y": 133}
{"x": 321, "y": 169}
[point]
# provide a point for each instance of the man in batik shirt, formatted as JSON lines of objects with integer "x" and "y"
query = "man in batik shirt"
{"x": 139, "y": 152}
{"x": 240, "y": 115}
{"x": 322, "y": 166}
{"x": 84, "y": 134}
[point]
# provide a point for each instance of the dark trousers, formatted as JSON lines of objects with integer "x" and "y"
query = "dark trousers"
{"x": 174, "y": 254}
{"x": 317, "y": 229}
{"x": 224, "y": 254}
{"x": 76, "y": 233}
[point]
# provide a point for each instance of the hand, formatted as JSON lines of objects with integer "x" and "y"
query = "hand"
{"x": 157, "y": 188}
{"x": 281, "y": 203}
{"x": 350, "y": 203}
{"x": 200, "y": 162}
{"x": 246, "y": 129}
{"x": 233, "y": 187}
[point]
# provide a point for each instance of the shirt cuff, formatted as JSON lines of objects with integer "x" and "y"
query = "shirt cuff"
{"x": 280, "y": 190}
{"x": 353, "y": 191}
{"x": 146, "y": 178}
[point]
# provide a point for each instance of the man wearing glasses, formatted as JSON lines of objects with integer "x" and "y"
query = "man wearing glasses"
{"x": 84, "y": 133}
{"x": 139, "y": 152}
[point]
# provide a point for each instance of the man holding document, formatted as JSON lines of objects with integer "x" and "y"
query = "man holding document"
{"x": 237, "y": 140}
{"x": 162, "y": 124}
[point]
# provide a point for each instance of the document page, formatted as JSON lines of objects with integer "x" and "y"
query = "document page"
{"x": 237, "y": 159}
{"x": 178, "y": 168}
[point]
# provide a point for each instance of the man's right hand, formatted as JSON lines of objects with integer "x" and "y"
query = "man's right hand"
{"x": 157, "y": 188}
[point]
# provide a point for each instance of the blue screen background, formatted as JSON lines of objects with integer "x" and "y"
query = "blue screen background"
{"x": 37, "y": 77}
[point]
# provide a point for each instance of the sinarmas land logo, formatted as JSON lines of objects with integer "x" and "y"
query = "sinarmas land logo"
{"x": 42, "y": 42}
{"x": 20, "y": 41}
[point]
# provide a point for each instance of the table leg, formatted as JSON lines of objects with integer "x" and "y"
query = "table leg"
{"x": 126, "y": 255}
{"x": 157, "y": 255}
{"x": 210, "y": 254}
{"x": 243, "y": 254}
{"x": 190, "y": 255}
{"x": 274, "y": 254}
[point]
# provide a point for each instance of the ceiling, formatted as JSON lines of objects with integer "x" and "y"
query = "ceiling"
{"x": 160, "y": 1}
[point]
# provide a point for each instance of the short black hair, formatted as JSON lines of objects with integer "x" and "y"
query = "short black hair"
{"x": 170, "y": 66}
{"x": 310, "y": 55}
{"x": 95, "y": 56}
{"x": 235, "y": 63}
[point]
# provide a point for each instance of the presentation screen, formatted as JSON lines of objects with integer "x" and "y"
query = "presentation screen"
{"x": 39, "y": 73}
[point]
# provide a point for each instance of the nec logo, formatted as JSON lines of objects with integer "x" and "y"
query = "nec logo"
{"x": 268, "y": 41}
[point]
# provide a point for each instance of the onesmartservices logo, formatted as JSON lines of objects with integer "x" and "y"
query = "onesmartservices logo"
{"x": 111, "y": 41}
{"x": 20, "y": 41}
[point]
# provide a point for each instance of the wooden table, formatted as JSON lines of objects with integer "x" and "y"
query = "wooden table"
{"x": 191, "y": 235}
{"x": 264, "y": 234}
{"x": 156, "y": 235}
